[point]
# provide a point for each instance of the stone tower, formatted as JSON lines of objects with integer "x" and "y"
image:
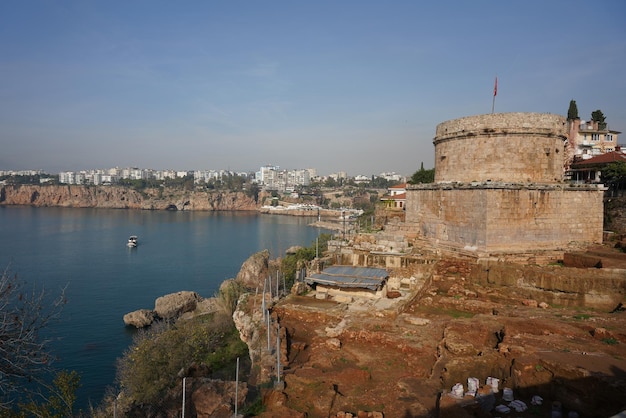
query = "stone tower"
{"x": 499, "y": 188}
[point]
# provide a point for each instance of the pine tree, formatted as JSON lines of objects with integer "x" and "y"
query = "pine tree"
{"x": 598, "y": 116}
{"x": 572, "y": 112}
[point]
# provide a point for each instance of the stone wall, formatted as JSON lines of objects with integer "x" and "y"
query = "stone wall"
{"x": 504, "y": 217}
{"x": 593, "y": 288}
{"x": 499, "y": 189}
{"x": 501, "y": 147}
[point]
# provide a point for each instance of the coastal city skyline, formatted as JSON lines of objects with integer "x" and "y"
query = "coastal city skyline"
{"x": 357, "y": 87}
{"x": 267, "y": 175}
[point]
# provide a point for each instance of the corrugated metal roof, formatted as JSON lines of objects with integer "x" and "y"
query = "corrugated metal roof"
{"x": 348, "y": 276}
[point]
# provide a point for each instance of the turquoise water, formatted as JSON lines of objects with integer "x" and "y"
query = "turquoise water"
{"x": 85, "y": 250}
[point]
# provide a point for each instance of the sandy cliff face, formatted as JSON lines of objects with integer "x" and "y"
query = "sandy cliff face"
{"x": 124, "y": 198}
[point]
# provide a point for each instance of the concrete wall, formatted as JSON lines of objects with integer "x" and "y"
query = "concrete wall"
{"x": 505, "y": 217}
{"x": 501, "y": 147}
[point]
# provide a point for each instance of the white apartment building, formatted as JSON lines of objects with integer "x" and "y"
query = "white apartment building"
{"x": 67, "y": 177}
{"x": 273, "y": 178}
{"x": 393, "y": 176}
{"x": 204, "y": 176}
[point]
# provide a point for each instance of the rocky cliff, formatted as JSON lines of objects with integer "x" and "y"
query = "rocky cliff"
{"x": 116, "y": 197}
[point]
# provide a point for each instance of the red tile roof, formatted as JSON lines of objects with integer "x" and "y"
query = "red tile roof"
{"x": 399, "y": 196}
{"x": 609, "y": 157}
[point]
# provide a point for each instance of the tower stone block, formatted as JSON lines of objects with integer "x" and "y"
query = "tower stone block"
{"x": 499, "y": 188}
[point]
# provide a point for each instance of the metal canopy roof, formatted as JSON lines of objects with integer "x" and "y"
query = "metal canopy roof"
{"x": 352, "y": 277}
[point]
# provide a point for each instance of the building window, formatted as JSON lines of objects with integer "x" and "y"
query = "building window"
{"x": 595, "y": 137}
{"x": 609, "y": 138}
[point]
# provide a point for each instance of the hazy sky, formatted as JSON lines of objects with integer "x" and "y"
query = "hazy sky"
{"x": 355, "y": 86}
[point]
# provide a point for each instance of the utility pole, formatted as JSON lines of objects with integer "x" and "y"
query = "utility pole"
{"x": 263, "y": 302}
{"x": 278, "y": 354}
{"x": 236, "y": 387}
{"x": 184, "y": 383}
{"x": 268, "y": 332}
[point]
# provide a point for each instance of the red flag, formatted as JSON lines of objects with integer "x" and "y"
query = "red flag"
{"x": 495, "y": 88}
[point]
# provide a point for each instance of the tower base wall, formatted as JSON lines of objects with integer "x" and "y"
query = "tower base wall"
{"x": 487, "y": 217}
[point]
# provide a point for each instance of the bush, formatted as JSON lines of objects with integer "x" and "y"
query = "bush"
{"x": 151, "y": 365}
{"x": 228, "y": 295}
{"x": 289, "y": 264}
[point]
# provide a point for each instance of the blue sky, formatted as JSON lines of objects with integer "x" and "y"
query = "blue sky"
{"x": 355, "y": 86}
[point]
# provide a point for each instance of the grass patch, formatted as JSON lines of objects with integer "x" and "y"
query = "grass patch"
{"x": 610, "y": 341}
{"x": 254, "y": 409}
{"x": 371, "y": 408}
{"x": 582, "y": 316}
{"x": 459, "y": 314}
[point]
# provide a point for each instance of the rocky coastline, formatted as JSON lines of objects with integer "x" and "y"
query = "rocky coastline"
{"x": 445, "y": 327}
{"x": 553, "y": 332}
{"x": 117, "y": 197}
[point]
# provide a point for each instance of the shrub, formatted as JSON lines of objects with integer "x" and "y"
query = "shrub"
{"x": 228, "y": 295}
{"x": 610, "y": 341}
{"x": 289, "y": 264}
{"x": 151, "y": 365}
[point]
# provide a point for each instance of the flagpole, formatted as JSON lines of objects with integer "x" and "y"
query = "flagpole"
{"x": 495, "y": 93}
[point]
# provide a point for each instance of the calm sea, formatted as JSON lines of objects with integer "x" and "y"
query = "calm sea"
{"x": 85, "y": 250}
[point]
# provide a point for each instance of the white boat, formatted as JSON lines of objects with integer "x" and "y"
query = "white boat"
{"x": 132, "y": 241}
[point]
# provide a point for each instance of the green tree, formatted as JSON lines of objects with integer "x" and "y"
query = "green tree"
{"x": 57, "y": 401}
{"x": 233, "y": 182}
{"x": 331, "y": 182}
{"x": 151, "y": 366}
{"x": 572, "y": 112}
{"x": 423, "y": 176}
{"x": 614, "y": 171}
{"x": 598, "y": 116}
{"x": 253, "y": 190}
{"x": 137, "y": 184}
{"x": 290, "y": 263}
{"x": 381, "y": 182}
{"x": 614, "y": 175}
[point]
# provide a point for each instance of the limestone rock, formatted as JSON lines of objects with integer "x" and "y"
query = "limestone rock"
{"x": 333, "y": 343}
{"x": 530, "y": 302}
{"x": 293, "y": 250}
{"x": 139, "y": 318}
{"x": 254, "y": 270}
{"x": 299, "y": 288}
{"x": 79, "y": 196}
{"x": 416, "y": 320}
{"x": 581, "y": 260}
{"x": 215, "y": 398}
{"x": 176, "y": 304}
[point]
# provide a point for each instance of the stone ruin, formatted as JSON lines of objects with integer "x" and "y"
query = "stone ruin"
{"x": 499, "y": 189}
